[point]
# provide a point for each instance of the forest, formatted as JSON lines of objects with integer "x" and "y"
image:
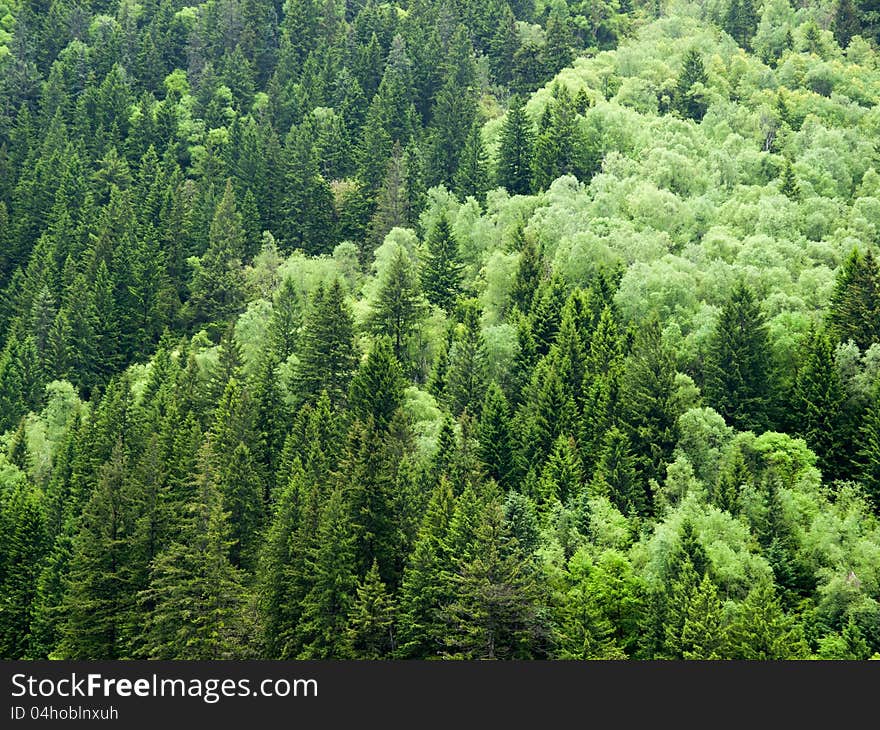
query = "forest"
{"x": 439, "y": 329}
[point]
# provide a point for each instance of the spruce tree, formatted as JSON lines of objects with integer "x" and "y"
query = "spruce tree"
{"x": 495, "y": 438}
{"x": 327, "y": 351}
{"x": 377, "y": 387}
{"x": 854, "y": 312}
{"x": 370, "y": 630}
{"x": 442, "y": 268}
{"x": 817, "y": 406}
{"x": 24, "y": 545}
{"x": 399, "y": 306}
{"x": 738, "y": 370}
{"x": 466, "y": 378}
{"x": 495, "y": 613}
{"x": 218, "y": 282}
{"x": 690, "y": 101}
{"x": 472, "y": 176}
{"x": 516, "y": 148}
{"x": 196, "y": 596}
{"x": 326, "y": 607}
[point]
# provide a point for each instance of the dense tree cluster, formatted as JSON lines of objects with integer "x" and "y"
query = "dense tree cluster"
{"x": 494, "y": 330}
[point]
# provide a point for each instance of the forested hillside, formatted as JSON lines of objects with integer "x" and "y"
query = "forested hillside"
{"x": 439, "y": 329}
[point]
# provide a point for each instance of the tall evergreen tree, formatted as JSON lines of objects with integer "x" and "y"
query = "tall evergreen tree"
{"x": 514, "y": 170}
{"x": 442, "y": 268}
{"x": 738, "y": 370}
{"x": 327, "y": 353}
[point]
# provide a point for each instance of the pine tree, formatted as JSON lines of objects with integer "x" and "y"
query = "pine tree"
{"x": 99, "y": 601}
{"x": 466, "y": 379}
{"x": 559, "y": 147}
{"x": 855, "y": 302}
{"x": 377, "y": 387}
{"x": 370, "y": 629}
{"x": 327, "y": 351}
{"x": 442, "y": 268}
{"x": 218, "y": 285}
{"x": 399, "y": 306}
{"x": 690, "y": 102}
{"x": 738, "y": 371}
{"x": 196, "y": 596}
{"x": 515, "y": 152}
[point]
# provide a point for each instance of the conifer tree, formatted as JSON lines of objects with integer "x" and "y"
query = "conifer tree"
{"x": 287, "y": 315}
{"x": 789, "y": 185}
{"x": 466, "y": 379}
{"x": 472, "y": 176}
{"x": 739, "y": 364}
{"x": 495, "y": 614}
{"x": 690, "y": 101}
{"x": 370, "y": 629}
{"x": 818, "y": 406}
{"x": 516, "y": 149}
{"x": 196, "y": 596}
{"x": 24, "y": 546}
{"x": 647, "y": 404}
{"x": 326, "y": 607}
{"x": 855, "y": 302}
{"x": 399, "y": 307}
{"x": 869, "y": 452}
{"x": 442, "y": 269}
{"x": 377, "y": 387}
{"x": 760, "y": 630}
{"x": 495, "y": 438}
{"x": 327, "y": 352}
{"x": 218, "y": 285}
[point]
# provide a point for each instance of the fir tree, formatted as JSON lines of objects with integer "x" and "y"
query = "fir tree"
{"x": 370, "y": 629}
{"x": 689, "y": 101}
{"x": 738, "y": 379}
{"x": 196, "y": 596}
{"x": 466, "y": 379}
{"x": 442, "y": 269}
{"x": 377, "y": 387}
{"x": 327, "y": 352}
{"x": 399, "y": 306}
{"x": 514, "y": 171}
{"x": 855, "y": 302}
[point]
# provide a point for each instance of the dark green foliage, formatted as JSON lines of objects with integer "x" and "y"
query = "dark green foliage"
{"x": 738, "y": 371}
{"x": 855, "y": 303}
{"x": 442, "y": 268}
{"x": 647, "y": 401}
{"x": 399, "y": 307}
{"x": 514, "y": 170}
{"x": 496, "y": 610}
{"x": 689, "y": 91}
{"x": 218, "y": 284}
{"x": 327, "y": 352}
{"x": 197, "y": 602}
{"x": 466, "y": 378}
{"x": 818, "y": 406}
